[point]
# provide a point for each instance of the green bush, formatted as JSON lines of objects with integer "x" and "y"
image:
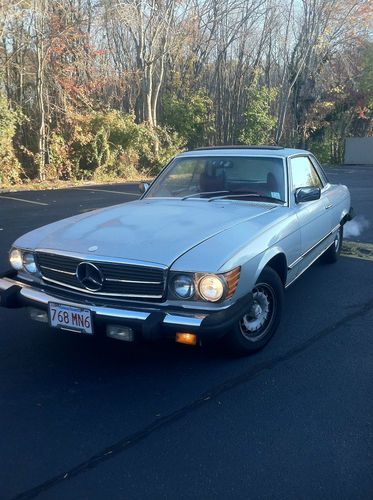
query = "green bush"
{"x": 190, "y": 117}
{"x": 104, "y": 144}
{"x": 125, "y": 168}
{"x": 156, "y": 147}
{"x": 97, "y": 145}
{"x": 60, "y": 165}
{"x": 10, "y": 168}
{"x": 98, "y": 140}
{"x": 259, "y": 121}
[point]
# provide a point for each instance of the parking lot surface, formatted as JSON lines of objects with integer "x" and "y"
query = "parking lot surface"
{"x": 86, "y": 419}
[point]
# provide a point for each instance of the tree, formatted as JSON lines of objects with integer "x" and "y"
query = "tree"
{"x": 212, "y": 71}
{"x": 259, "y": 120}
{"x": 40, "y": 12}
{"x": 149, "y": 24}
{"x": 10, "y": 168}
{"x": 191, "y": 117}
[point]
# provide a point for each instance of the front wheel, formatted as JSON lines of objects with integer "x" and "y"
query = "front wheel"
{"x": 262, "y": 317}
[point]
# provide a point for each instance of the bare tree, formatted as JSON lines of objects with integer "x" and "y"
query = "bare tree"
{"x": 150, "y": 24}
{"x": 40, "y": 10}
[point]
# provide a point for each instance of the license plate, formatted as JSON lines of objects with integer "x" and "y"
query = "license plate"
{"x": 70, "y": 318}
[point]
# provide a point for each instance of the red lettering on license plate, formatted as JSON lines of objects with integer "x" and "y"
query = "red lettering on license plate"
{"x": 70, "y": 318}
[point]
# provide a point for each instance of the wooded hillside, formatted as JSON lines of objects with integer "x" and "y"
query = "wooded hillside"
{"x": 97, "y": 88}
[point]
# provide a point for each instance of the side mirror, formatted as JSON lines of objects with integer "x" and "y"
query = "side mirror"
{"x": 143, "y": 186}
{"x": 307, "y": 194}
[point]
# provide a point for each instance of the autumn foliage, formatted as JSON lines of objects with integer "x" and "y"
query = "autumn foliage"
{"x": 105, "y": 89}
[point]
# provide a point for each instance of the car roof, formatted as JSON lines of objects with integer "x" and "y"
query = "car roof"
{"x": 273, "y": 151}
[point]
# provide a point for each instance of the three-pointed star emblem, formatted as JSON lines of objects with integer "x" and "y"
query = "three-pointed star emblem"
{"x": 90, "y": 276}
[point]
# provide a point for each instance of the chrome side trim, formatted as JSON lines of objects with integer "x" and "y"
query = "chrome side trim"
{"x": 101, "y": 258}
{"x": 309, "y": 265}
{"x": 293, "y": 264}
{"x": 299, "y": 259}
{"x": 83, "y": 290}
{"x": 319, "y": 255}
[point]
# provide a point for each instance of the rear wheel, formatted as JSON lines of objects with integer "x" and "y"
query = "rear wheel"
{"x": 332, "y": 253}
{"x": 262, "y": 317}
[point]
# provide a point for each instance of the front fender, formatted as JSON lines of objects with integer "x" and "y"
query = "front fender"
{"x": 267, "y": 256}
{"x": 251, "y": 270}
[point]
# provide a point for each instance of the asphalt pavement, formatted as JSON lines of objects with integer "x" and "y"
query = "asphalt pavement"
{"x": 85, "y": 419}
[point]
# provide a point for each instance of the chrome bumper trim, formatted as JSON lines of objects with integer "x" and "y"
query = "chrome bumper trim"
{"x": 5, "y": 284}
{"x": 40, "y": 297}
{"x": 173, "y": 319}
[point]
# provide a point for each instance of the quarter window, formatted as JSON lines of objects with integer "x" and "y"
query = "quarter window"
{"x": 319, "y": 170}
{"x": 304, "y": 173}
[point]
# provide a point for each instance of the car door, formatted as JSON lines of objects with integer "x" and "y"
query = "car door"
{"x": 313, "y": 216}
{"x": 336, "y": 196}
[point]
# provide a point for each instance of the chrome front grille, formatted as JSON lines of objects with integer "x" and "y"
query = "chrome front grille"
{"x": 119, "y": 280}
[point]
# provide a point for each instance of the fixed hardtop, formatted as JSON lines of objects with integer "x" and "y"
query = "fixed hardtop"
{"x": 274, "y": 151}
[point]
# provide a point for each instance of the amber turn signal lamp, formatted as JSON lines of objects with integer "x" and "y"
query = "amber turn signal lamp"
{"x": 186, "y": 338}
{"x": 232, "y": 278}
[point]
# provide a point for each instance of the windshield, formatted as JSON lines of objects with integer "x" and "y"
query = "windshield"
{"x": 216, "y": 177}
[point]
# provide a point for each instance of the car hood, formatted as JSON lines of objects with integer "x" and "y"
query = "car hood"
{"x": 152, "y": 230}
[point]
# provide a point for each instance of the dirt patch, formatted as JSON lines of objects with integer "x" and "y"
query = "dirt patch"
{"x": 357, "y": 250}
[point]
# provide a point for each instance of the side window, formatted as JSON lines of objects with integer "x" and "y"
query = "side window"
{"x": 304, "y": 173}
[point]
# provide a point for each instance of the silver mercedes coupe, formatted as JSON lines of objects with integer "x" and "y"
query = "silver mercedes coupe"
{"x": 204, "y": 255}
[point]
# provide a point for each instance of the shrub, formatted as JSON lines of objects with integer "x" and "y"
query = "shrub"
{"x": 99, "y": 140}
{"x": 259, "y": 122}
{"x": 190, "y": 117}
{"x": 10, "y": 168}
{"x": 60, "y": 165}
{"x": 156, "y": 146}
{"x": 110, "y": 143}
{"x": 125, "y": 168}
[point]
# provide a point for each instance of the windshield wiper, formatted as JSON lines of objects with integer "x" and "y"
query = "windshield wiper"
{"x": 204, "y": 192}
{"x": 247, "y": 195}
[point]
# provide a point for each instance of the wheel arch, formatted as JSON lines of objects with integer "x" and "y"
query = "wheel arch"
{"x": 276, "y": 260}
{"x": 346, "y": 216}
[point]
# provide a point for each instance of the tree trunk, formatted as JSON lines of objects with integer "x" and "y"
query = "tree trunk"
{"x": 40, "y": 12}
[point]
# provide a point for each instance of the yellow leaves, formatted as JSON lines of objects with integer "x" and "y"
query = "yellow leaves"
{"x": 338, "y": 89}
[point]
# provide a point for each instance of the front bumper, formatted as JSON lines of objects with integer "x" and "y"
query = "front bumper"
{"x": 150, "y": 323}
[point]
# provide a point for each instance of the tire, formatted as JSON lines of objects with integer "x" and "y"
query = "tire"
{"x": 332, "y": 253}
{"x": 254, "y": 329}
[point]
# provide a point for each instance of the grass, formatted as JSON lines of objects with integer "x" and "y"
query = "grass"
{"x": 357, "y": 250}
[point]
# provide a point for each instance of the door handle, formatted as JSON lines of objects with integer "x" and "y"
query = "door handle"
{"x": 328, "y": 206}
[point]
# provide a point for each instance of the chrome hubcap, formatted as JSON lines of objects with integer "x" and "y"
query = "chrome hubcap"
{"x": 253, "y": 324}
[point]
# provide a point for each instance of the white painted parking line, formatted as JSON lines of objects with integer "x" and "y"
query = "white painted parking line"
{"x": 24, "y": 201}
{"x": 108, "y": 191}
